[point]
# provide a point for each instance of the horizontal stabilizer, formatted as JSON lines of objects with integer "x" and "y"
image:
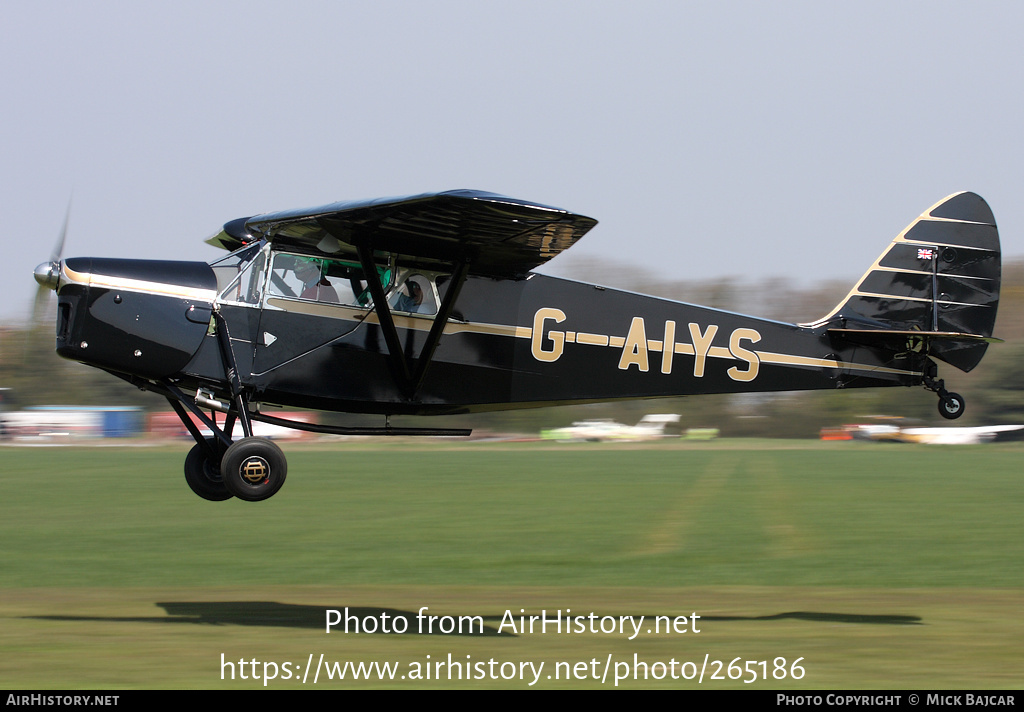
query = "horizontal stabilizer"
{"x": 952, "y": 347}
{"x": 870, "y": 337}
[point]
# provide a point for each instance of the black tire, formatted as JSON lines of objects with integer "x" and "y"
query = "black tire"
{"x": 951, "y": 406}
{"x": 203, "y": 476}
{"x": 253, "y": 469}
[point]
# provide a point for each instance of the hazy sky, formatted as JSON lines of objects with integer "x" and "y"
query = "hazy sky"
{"x": 709, "y": 139}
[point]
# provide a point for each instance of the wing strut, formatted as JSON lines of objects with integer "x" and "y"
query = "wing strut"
{"x": 387, "y": 324}
{"x": 440, "y": 319}
{"x": 410, "y": 376}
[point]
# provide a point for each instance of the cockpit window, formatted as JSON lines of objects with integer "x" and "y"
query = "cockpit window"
{"x": 228, "y": 267}
{"x": 415, "y": 294}
{"x": 323, "y": 280}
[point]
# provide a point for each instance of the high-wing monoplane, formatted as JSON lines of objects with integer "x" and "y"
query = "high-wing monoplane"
{"x": 429, "y": 305}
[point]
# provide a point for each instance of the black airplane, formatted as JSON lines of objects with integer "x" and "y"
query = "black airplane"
{"x": 427, "y": 305}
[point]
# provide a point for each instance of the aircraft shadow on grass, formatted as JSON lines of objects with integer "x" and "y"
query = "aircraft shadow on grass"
{"x": 825, "y": 618}
{"x": 287, "y": 615}
{"x": 271, "y": 614}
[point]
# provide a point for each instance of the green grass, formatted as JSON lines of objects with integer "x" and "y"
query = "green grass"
{"x": 905, "y": 563}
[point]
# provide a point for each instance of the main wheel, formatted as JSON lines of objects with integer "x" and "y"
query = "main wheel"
{"x": 951, "y": 406}
{"x": 253, "y": 469}
{"x": 203, "y": 476}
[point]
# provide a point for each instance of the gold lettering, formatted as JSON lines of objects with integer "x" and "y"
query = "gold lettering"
{"x": 701, "y": 346}
{"x": 557, "y": 337}
{"x": 744, "y": 355}
{"x": 668, "y": 347}
{"x": 635, "y": 348}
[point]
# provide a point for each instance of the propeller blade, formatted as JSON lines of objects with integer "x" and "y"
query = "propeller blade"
{"x": 41, "y": 304}
{"x": 48, "y": 273}
{"x": 58, "y": 249}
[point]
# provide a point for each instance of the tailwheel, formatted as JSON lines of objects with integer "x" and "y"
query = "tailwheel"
{"x": 951, "y": 405}
{"x": 202, "y": 473}
{"x": 253, "y": 469}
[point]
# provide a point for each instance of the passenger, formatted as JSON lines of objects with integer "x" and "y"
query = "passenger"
{"x": 411, "y": 298}
{"x": 314, "y": 285}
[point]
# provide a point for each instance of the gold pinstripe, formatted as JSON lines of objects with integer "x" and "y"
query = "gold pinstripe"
{"x": 926, "y": 273}
{"x": 336, "y": 311}
{"x": 876, "y": 295}
{"x": 135, "y": 285}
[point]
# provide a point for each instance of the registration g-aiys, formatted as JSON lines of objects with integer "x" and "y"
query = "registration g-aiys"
{"x": 428, "y": 305}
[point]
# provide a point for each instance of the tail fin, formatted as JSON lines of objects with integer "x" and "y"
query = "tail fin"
{"x": 938, "y": 280}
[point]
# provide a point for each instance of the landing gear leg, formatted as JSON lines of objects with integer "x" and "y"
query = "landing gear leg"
{"x": 203, "y": 462}
{"x": 951, "y": 405}
{"x": 252, "y": 469}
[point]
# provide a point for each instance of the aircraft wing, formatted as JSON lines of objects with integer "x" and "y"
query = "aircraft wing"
{"x": 500, "y": 236}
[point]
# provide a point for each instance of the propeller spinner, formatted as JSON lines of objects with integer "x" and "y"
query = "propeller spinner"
{"x": 47, "y": 274}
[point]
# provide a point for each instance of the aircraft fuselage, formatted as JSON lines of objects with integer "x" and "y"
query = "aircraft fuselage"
{"x": 536, "y": 341}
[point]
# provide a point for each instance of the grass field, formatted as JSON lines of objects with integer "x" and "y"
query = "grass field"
{"x": 877, "y": 565}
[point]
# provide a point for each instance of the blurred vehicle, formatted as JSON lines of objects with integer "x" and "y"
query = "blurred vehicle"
{"x": 650, "y": 427}
{"x": 890, "y": 432}
{"x": 960, "y": 436}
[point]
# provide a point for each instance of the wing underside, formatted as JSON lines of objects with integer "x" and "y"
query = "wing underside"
{"x": 497, "y": 236}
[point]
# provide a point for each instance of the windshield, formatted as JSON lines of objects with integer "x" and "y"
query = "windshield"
{"x": 227, "y": 268}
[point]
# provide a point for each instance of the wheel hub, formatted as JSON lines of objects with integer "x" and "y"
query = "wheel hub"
{"x": 255, "y": 470}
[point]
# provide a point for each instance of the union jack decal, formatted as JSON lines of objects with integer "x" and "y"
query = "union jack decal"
{"x": 925, "y": 253}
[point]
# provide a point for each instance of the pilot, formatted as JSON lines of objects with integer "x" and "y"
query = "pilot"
{"x": 314, "y": 284}
{"x": 411, "y": 298}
